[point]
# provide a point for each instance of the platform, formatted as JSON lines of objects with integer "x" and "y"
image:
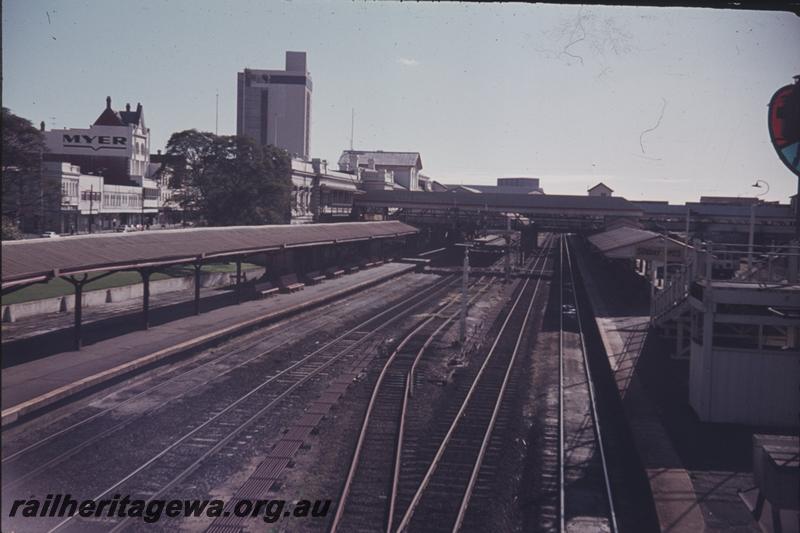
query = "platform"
{"x": 624, "y": 334}
{"x": 34, "y": 385}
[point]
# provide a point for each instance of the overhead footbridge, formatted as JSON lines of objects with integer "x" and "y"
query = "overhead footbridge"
{"x": 547, "y": 212}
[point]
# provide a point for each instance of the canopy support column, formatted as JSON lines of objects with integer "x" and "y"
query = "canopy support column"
{"x": 239, "y": 280}
{"x": 145, "y": 273}
{"x": 197, "y": 267}
{"x": 78, "y": 283}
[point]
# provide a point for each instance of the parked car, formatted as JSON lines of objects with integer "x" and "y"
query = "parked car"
{"x": 50, "y": 234}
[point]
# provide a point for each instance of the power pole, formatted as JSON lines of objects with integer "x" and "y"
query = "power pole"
{"x": 216, "y": 118}
{"x": 750, "y": 237}
{"x": 352, "y": 126}
{"x": 664, "y": 277}
{"x": 508, "y": 249}
{"x": 91, "y": 209}
{"x": 686, "y": 240}
{"x": 464, "y": 295}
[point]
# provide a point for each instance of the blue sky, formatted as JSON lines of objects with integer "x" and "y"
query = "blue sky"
{"x": 658, "y": 103}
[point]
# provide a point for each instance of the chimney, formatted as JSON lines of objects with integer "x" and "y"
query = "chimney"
{"x": 127, "y": 107}
{"x": 41, "y": 126}
{"x": 108, "y": 102}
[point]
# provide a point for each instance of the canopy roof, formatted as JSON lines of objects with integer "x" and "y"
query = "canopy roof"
{"x": 32, "y": 260}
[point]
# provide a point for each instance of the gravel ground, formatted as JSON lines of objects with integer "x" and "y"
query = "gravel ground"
{"x": 320, "y": 470}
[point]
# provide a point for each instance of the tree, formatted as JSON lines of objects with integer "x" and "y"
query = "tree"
{"x": 10, "y": 230}
{"x": 230, "y": 180}
{"x": 186, "y": 155}
{"x": 25, "y": 195}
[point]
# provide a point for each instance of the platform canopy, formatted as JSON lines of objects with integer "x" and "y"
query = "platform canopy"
{"x": 32, "y": 260}
{"x": 634, "y": 243}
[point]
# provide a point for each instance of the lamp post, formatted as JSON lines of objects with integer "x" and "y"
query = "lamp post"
{"x": 91, "y": 208}
{"x": 757, "y": 185}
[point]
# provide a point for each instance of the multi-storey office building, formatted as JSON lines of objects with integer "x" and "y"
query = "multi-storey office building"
{"x": 274, "y": 106}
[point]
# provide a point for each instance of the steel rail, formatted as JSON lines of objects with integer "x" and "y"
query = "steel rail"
{"x": 593, "y": 402}
{"x": 404, "y": 523}
{"x": 355, "y": 461}
{"x": 370, "y": 406}
{"x": 561, "y": 477}
{"x": 282, "y": 324}
{"x": 63, "y": 456}
{"x": 79, "y": 423}
{"x": 404, "y": 410}
{"x": 426, "y": 295}
{"x": 409, "y": 392}
{"x": 124, "y": 423}
{"x": 462, "y": 510}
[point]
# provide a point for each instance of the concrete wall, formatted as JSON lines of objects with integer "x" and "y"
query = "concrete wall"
{"x": 101, "y": 297}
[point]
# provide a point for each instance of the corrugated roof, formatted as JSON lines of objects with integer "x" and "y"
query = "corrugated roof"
{"x": 30, "y": 259}
{"x": 505, "y": 189}
{"x": 621, "y": 237}
{"x": 716, "y": 210}
{"x": 395, "y": 159}
{"x": 468, "y": 188}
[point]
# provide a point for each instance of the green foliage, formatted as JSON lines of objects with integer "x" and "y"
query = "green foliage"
{"x": 22, "y": 143}
{"x": 230, "y": 180}
{"x": 10, "y": 231}
{"x": 23, "y": 190}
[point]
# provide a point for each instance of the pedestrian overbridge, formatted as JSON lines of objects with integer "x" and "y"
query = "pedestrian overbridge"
{"x": 546, "y": 212}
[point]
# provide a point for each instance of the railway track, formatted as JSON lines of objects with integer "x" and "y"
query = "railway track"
{"x": 184, "y": 454}
{"x": 586, "y": 499}
{"x": 441, "y": 501}
{"x": 103, "y": 422}
{"x": 383, "y": 423}
{"x": 93, "y": 425}
{"x": 371, "y": 497}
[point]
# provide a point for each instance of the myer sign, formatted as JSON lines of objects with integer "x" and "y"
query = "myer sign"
{"x": 95, "y": 141}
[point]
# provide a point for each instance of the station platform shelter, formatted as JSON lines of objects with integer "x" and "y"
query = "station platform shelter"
{"x": 736, "y": 321}
{"x": 287, "y": 251}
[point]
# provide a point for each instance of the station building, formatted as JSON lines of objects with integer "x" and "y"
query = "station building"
{"x": 380, "y": 170}
{"x": 320, "y": 194}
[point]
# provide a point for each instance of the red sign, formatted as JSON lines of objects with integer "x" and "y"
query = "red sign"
{"x": 784, "y": 125}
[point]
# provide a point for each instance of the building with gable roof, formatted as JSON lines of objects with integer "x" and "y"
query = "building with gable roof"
{"x": 601, "y": 189}
{"x": 116, "y": 146}
{"x": 403, "y": 166}
{"x": 102, "y": 175}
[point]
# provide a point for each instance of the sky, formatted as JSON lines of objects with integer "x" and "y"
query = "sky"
{"x": 657, "y": 103}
